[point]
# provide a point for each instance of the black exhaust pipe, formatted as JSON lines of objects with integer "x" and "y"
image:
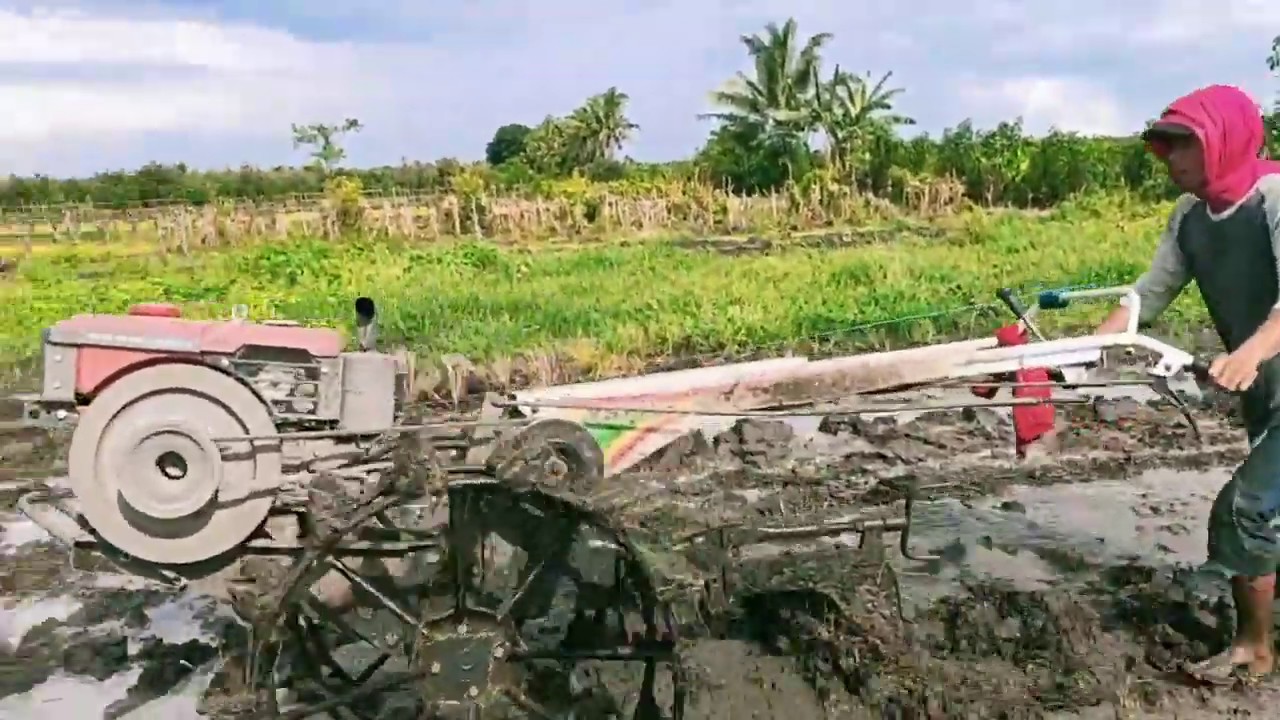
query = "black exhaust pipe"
{"x": 366, "y": 324}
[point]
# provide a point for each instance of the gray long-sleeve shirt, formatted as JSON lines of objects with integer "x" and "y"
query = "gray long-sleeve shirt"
{"x": 1233, "y": 258}
{"x": 1169, "y": 272}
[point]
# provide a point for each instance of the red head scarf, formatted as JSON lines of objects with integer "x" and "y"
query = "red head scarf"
{"x": 1229, "y": 126}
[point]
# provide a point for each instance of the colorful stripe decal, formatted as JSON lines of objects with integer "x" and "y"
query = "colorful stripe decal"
{"x": 617, "y": 441}
{"x": 614, "y": 411}
{"x": 621, "y": 434}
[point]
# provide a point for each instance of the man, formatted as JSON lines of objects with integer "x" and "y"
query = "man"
{"x": 1224, "y": 233}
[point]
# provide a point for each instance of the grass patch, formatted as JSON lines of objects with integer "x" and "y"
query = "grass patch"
{"x": 613, "y": 304}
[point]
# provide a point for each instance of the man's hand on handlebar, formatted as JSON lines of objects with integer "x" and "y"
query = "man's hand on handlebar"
{"x": 1236, "y": 371}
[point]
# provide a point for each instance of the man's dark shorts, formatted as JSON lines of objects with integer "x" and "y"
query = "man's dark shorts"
{"x": 1244, "y": 525}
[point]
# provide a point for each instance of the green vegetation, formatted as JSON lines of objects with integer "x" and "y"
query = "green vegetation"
{"x": 611, "y": 307}
{"x": 326, "y": 153}
{"x": 997, "y": 166}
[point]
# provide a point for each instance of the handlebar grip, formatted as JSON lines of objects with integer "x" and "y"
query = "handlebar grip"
{"x": 1199, "y": 369}
{"x": 1052, "y": 300}
{"x": 1011, "y": 301}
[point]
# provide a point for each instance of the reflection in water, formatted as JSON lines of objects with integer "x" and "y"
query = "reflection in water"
{"x": 1036, "y": 537}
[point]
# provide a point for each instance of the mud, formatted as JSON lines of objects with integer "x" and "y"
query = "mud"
{"x": 1044, "y": 603}
{"x": 1061, "y": 588}
{"x": 810, "y": 463}
{"x": 98, "y": 645}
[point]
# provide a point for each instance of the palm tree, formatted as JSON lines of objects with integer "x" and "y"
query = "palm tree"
{"x": 780, "y": 96}
{"x": 601, "y": 125}
{"x": 787, "y": 100}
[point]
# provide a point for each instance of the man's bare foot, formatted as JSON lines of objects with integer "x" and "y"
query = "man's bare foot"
{"x": 1259, "y": 662}
{"x": 1227, "y": 667}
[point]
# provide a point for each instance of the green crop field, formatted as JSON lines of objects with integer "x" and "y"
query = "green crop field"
{"x": 607, "y": 308}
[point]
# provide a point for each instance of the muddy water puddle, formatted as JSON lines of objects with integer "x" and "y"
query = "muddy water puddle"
{"x": 1035, "y": 537}
{"x": 1051, "y": 536}
{"x": 73, "y": 696}
{"x": 84, "y": 643}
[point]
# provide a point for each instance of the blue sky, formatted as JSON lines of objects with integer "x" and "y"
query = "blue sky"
{"x": 90, "y": 85}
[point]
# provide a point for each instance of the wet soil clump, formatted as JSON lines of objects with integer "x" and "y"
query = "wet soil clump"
{"x": 995, "y": 652}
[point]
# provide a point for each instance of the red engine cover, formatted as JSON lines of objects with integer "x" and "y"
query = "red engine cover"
{"x": 110, "y": 344}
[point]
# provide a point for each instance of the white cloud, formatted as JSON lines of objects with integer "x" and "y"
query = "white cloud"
{"x": 136, "y": 76}
{"x": 1203, "y": 23}
{"x": 95, "y": 84}
{"x": 74, "y": 37}
{"x": 1189, "y": 26}
{"x": 1045, "y": 102}
{"x": 38, "y": 112}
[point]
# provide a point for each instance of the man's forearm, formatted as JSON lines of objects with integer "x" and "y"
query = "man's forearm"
{"x": 1264, "y": 344}
{"x": 1116, "y": 322}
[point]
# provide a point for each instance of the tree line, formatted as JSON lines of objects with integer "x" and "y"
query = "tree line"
{"x": 789, "y": 121}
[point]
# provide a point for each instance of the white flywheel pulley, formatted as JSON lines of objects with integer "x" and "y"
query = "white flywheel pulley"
{"x": 148, "y": 476}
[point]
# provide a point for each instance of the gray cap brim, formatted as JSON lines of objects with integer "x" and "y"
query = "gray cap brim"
{"x": 1168, "y": 130}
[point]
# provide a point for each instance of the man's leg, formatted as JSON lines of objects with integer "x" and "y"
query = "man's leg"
{"x": 1244, "y": 543}
{"x": 1253, "y": 644}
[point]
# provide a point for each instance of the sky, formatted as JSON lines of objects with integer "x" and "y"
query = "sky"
{"x": 93, "y": 85}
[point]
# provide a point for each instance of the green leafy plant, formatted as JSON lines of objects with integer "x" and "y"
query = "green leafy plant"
{"x": 323, "y": 139}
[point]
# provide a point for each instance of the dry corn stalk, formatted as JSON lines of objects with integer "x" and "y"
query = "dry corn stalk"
{"x": 688, "y": 207}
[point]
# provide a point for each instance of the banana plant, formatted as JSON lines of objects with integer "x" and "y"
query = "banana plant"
{"x": 849, "y": 108}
